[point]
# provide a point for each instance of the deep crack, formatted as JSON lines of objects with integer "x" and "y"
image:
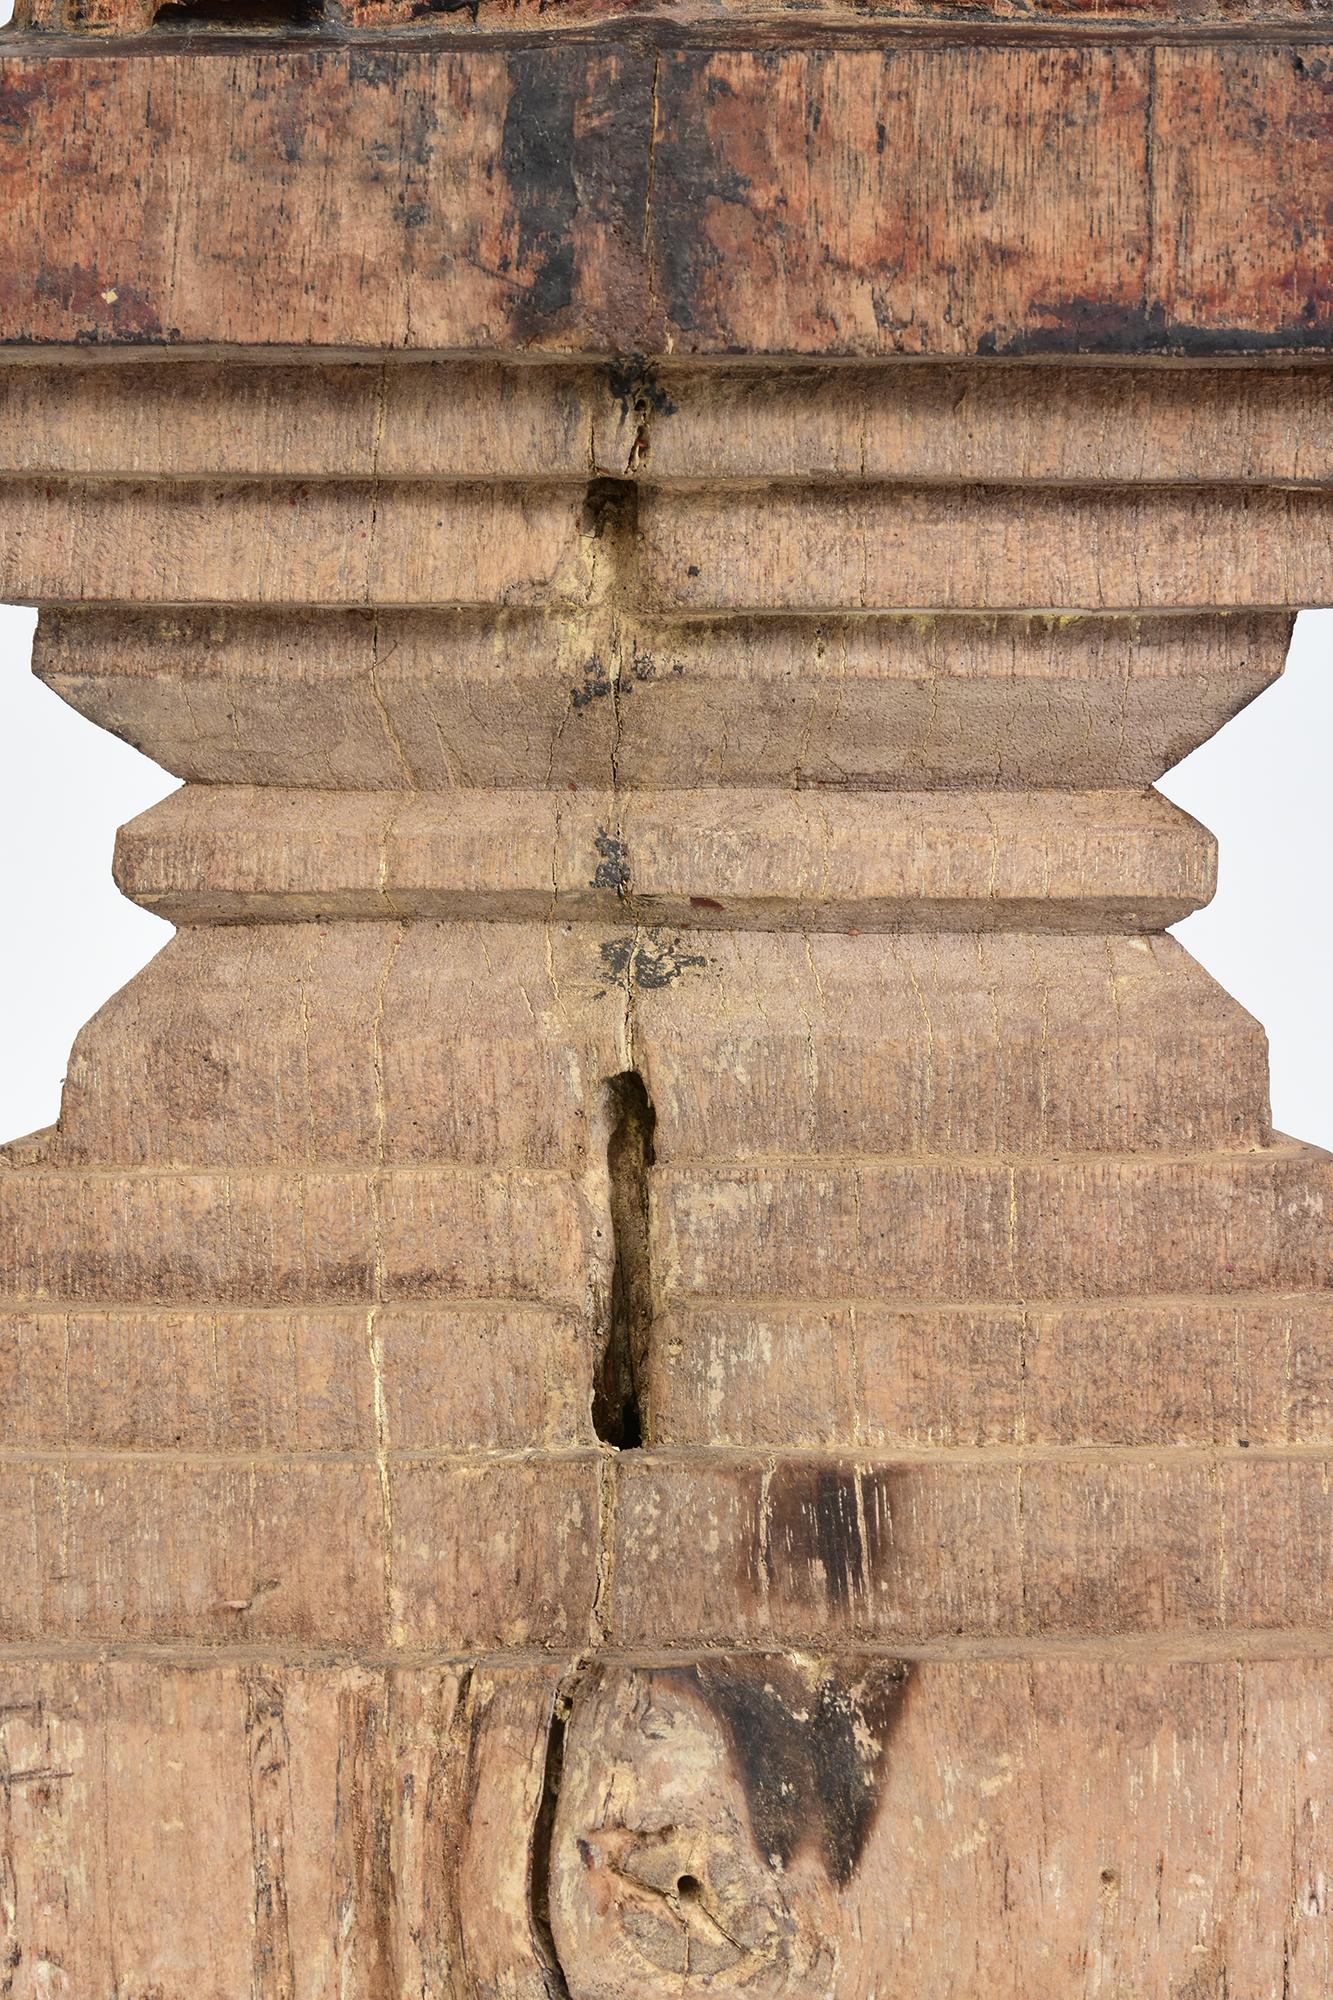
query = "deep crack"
{"x": 617, "y": 1410}
{"x": 543, "y": 1832}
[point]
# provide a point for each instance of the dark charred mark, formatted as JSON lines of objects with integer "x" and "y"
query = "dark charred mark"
{"x": 696, "y": 181}
{"x": 814, "y": 1519}
{"x": 832, "y": 1518}
{"x": 422, "y": 8}
{"x": 659, "y": 960}
{"x": 617, "y": 1414}
{"x": 651, "y": 960}
{"x": 644, "y": 666}
{"x": 19, "y": 91}
{"x": 612, "y": 870}
{"x": 537, "y": 154}
{"x": 1098, "y": 326}
{"x": 633, "y": 382}
{"x": 596, "y": 683}
{"x": 616, "y": 956}
{"x": 377, "y": 67}
{"x": 809, "y": 1753}
{"x": 609, "y": 507}
{"x": 543, "y": 1832}
{"x": 241, "y": 15}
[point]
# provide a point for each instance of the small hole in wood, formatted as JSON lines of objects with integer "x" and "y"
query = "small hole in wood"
{"x": 689, "y": 1888}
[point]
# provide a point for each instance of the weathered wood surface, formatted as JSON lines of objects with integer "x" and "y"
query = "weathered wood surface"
{"x": 668, "y": 1349}
{"x": 400, "y": 1799}
{"x": 628, "y": 199}
{"x": 874, "y": 548}
{"x": 143, "y": 418}
{"x": 762, "y": 20}
{"x": 379, "y": 700}
{"x": 994, "y": 860}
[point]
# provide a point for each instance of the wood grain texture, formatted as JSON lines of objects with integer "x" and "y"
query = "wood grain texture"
{"x": 763, "y": 19}
{"x": 881, "y": 200}
{"x": 1038, "y": 861}
{"x": 452, "y": 247}
{"x": 414, "y": 1786}
{"x": 1067, "y": 188}
{"x": 280, "y": 544}
{"x": 397, "y": 1799}
{"x": 1043, "y": 1780}
{"x": 134, "y": 416}
{"x": 358, "y": 700}
{"x": 668, "y": 1350}
{"x": 890, "y": 548}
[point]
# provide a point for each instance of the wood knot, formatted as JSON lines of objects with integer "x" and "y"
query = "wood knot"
{"x": 709, "y": 1819}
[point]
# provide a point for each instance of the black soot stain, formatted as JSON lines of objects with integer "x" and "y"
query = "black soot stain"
{"x": 832, "y": 1519}
{"x": 612, "y": 870}
{"x": 537, "y": 152}
{"x": 651, "y": 960}
{"x": 810, "y": 1753}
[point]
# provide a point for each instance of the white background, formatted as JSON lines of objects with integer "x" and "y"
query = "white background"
{"x": 68, "y": 939}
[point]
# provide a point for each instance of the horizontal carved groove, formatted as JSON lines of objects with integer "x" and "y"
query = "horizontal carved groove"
{"x": 325, "y": 1237}
{"x": 988, "y": 548}
{"x": 28, "y": 1159}
{"x": 813, "y": 549}
{"x": 1245, "y": 1371}
{"x": 1060, "y": 861}
{"x": 485, "y": 1459}
{"x": 752, "y": 22}
{"x": 399, "y": 543}
{"x": 1040, "y": 1231}
{"x": 177, "y": 422}
{"x": 470, "y": 1376}
{"x": 127, "y": 27}
{"x": 1235, "y": 1647}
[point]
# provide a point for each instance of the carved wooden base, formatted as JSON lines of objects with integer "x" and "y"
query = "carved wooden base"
{"x": 667, "y": 1349}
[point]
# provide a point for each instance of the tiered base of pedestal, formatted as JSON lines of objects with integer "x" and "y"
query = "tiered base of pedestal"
{"x": 667, "y": 1349}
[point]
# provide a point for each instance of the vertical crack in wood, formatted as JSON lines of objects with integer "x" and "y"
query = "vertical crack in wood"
{"x": 543, "y": 1833}
{"x": 618, "y": 1414}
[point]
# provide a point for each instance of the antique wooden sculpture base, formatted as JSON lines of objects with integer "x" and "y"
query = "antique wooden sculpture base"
{"x": 667, "y": 1346}
{"x": 667, "y": 1350}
